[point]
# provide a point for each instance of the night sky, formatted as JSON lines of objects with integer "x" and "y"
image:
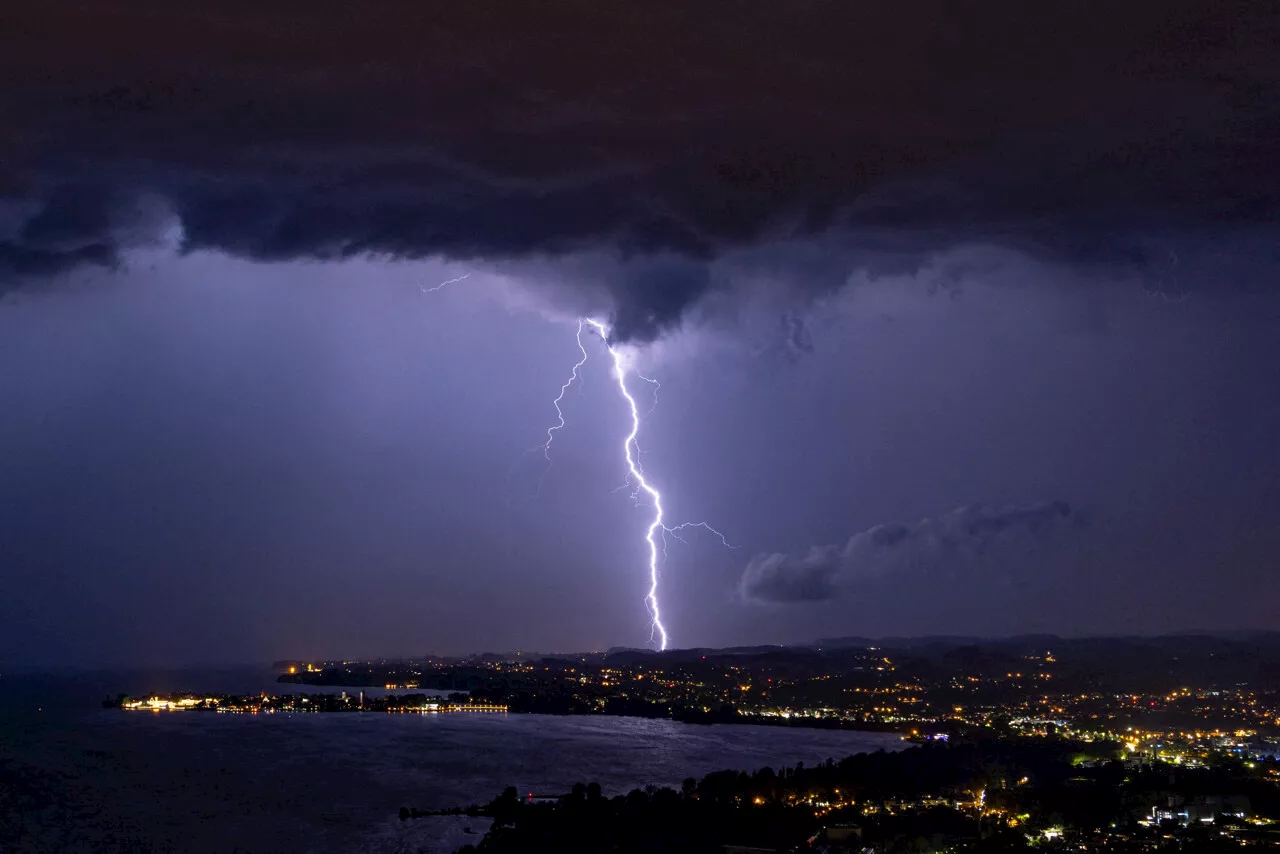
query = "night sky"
{"x": 965, "y": 316}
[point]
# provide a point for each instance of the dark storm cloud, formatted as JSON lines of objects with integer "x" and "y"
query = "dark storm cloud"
{"x": 958, "y": 539}
{"x": 494, "y": 132}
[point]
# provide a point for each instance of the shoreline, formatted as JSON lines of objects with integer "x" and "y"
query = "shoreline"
{"x": 343, "y": 703}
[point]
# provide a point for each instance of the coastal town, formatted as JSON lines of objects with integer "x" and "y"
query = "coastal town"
{"x": 1107, "y": 745}
{"x": 1181, "y": 698}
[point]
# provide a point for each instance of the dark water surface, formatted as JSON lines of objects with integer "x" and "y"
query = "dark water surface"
{"x": 78, "y": 778}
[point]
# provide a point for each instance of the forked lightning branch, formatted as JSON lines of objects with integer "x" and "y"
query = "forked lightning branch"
{"x": 641, "y": 486}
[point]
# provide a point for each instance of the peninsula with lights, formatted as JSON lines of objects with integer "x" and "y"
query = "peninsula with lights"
{"x": 978, "y": 793}
{"x": 253, "y": 704}
{"x": 1180, "y": 692}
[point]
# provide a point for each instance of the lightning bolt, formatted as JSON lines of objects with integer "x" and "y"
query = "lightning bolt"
{"x": 657, "y": 387}
{"x": 635, "y": 477}
{"x": 630, "y": 452}
{"x": 440, "y": 286}
{"x": 559, "y": 425}
{"x": 674, "y": 532}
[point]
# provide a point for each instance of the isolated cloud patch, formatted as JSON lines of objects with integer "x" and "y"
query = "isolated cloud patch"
{"x": 956, "y": 540}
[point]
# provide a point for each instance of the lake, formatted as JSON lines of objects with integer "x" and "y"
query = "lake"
{"x": 78, "y": 778}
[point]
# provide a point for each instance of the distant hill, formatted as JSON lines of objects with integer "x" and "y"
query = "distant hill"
{"x": 1132, "y": 662}
{"x": 1129, "y": 662}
